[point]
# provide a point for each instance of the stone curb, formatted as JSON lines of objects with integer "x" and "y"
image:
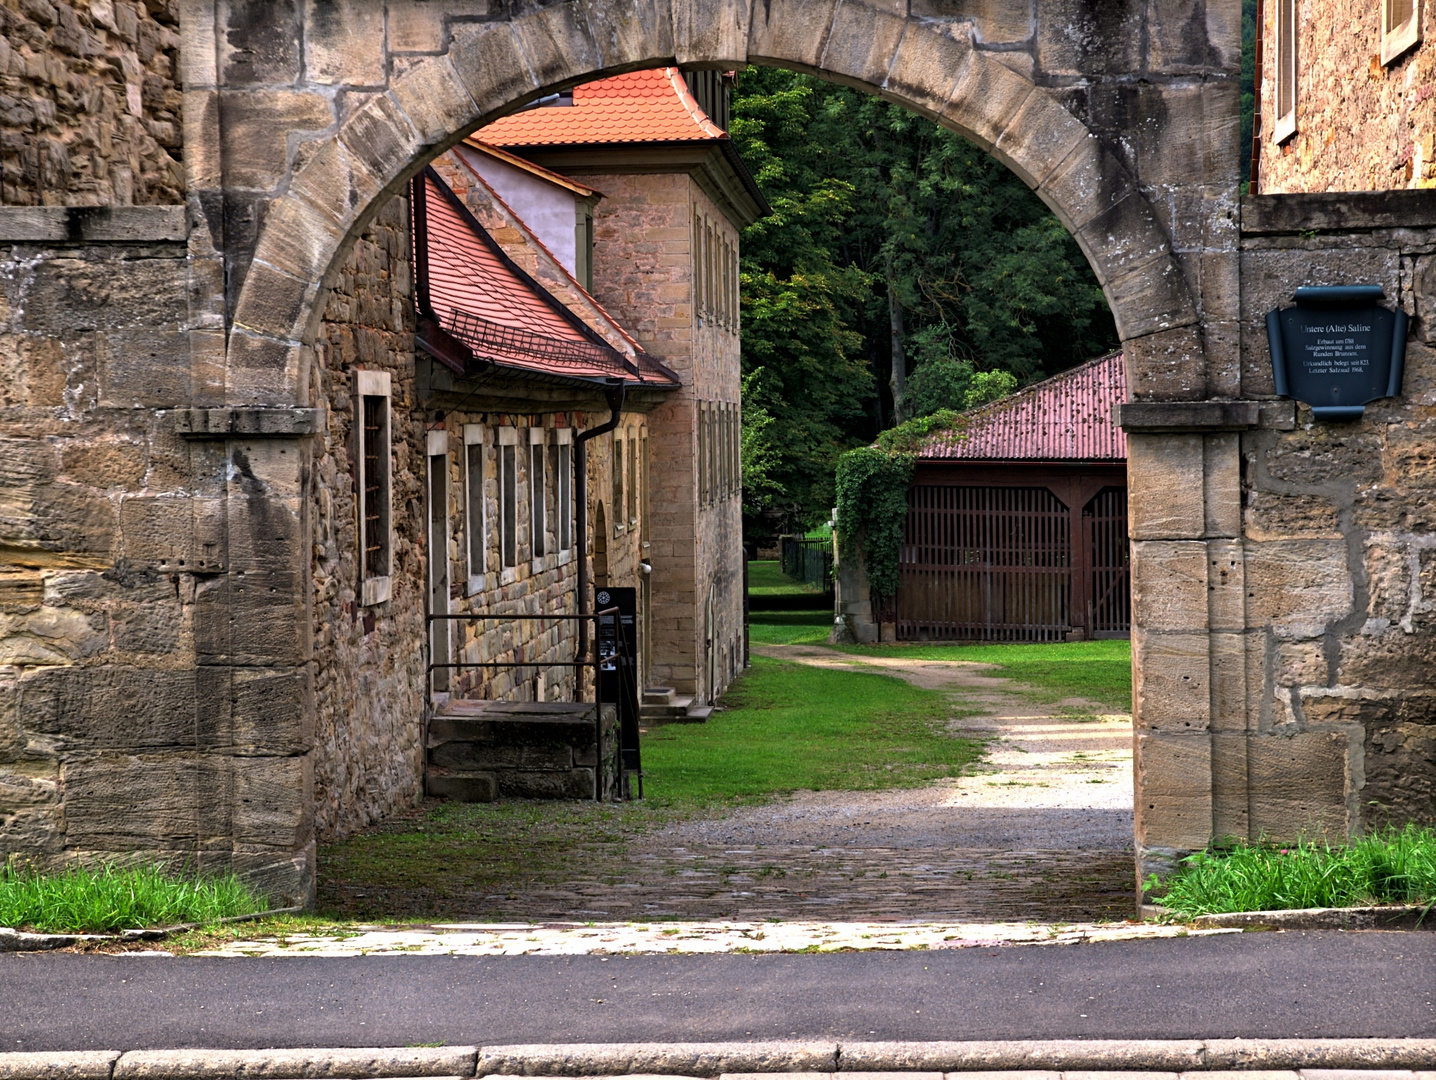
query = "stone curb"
{"x": 1386, "y": 917}
{"x": 23, "y": 941}
{"x": 1122, "y": 1058}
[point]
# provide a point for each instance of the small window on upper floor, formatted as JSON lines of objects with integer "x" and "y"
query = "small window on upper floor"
{"x": 583, "y": 244}
{"x": 1285, "y": 81}
{"x": 617, "y": 500}
{"x": 474, "y": 502}
{"x": 1400, "y": 27}
{"x": 375, "y": 479}
{"x": 538, "y": 495}
{"x": 508, "y": 525}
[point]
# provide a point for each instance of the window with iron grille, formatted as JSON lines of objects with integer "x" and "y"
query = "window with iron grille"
{"x": 474, "y": 499}
{"x": 617, "y": 501}
{"x": 508, "y": 497}
{"x": 375, "y": 543}
{"x": 563, "y": 482}
{"x": 538, "y": 497}
{"x": 1285, "y": 98}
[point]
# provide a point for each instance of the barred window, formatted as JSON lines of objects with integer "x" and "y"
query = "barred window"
{"x": 375, "y": 543}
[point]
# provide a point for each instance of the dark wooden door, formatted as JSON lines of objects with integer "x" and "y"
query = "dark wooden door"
{"x": 1108, "y": 557}
{"x": 986, "y": 564}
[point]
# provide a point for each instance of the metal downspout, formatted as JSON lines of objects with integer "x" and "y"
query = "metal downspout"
{"x": 614, "y": 392}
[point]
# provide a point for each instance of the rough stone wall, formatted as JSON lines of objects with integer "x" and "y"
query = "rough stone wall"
{"x": 1340, "y": 557}
{"x": 90, "y": 103}
{"x": 643, "y": 273}
{"x": 1360, "y": 125}
{"x": 368, "y": 661}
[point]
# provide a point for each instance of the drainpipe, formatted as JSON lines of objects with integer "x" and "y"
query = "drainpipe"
{"x": 613, "y": 392}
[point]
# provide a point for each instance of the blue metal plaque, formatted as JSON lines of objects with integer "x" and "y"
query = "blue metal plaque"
{"x": 1337, "y": 349}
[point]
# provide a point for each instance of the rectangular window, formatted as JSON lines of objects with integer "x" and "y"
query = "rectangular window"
{"x": 538, "y": 495}
{"x": 508, "y": 497}
{"x": 713, "y": 450}
{"x": 737, "y": 449}
{"x": 1285, "y": 53}
{"x": 564, "y": 483}
{"x": 438, "y": 544}
{"x": 702, "y": 462}
{"x": 375, "y": 480}
{"x": 1400, "y": 27}
{"x": 643, "y": 502}
{"x": 615, "y": 505}
{"x": 632, "y": 482}
{"x": 474, "y": 530}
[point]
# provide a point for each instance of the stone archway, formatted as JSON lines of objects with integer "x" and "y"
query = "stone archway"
{"x": 1133, "y": 147}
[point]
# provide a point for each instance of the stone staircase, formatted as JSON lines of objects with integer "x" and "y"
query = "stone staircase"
{"x": 663, "y": 705}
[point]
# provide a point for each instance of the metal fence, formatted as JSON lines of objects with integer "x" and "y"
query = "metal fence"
{"x": 808, "y": 561}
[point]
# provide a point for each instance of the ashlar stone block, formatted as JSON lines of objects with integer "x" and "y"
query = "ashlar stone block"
{"x": 1166, "y": 484}
{"x": 712, "y": 33}
{"x": 631, "y": 32}
{"x": 558, "y": 44}
{"x": 1041, "y": 136}
{"x": 987, "y": 97}
{"x": 344, "y": 43}
{"x": 1169, "y": 585}
{"x": 1166, "y": 365}
{"x": 491, "y": 65}
{"x": 792, "y": 34}
{"x": 861, "y": 43}
{"x": 1170, "y": 682}
{"x": 928, "y": 64}
{"x": 1173, "y": 806}
{"x": 1297, "y": 587}
{"x": 1299, "y": 785}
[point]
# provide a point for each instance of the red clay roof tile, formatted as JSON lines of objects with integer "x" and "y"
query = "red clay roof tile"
{"x": 642, "y": 106}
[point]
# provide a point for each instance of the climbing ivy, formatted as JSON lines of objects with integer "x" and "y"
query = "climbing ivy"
{"x": 872, "y": 485}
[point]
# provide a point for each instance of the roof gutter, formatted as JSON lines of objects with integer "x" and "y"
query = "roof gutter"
{"x": 614, "y": 392}
{"x": 429, "y": 335}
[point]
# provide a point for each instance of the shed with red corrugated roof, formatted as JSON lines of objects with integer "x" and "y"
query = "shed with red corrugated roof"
{"x": 1017, "y": 518}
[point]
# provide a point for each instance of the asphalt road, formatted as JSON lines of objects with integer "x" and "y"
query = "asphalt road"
{"x": 1322, "y": 984}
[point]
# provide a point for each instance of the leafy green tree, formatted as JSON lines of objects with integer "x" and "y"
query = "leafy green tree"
{"x": 901, "y": 269}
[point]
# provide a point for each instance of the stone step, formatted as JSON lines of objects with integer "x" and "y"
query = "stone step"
{"x": 681, "y": 710}
{"x": 659, "y": 695}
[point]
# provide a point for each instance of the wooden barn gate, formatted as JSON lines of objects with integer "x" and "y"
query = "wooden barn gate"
{"x": 1014, "y": 552}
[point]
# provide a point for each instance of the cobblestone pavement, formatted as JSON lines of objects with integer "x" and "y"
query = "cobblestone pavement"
{"x": 1040, "y": 831}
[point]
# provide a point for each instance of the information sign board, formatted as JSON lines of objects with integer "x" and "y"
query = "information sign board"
{"x": 1337, "y": 349}
{"x": 618, "y": 665}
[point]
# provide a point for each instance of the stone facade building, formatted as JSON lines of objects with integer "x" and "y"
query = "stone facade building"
{"x": 185, "y": 307}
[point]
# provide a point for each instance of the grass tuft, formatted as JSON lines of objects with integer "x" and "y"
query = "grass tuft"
{"x": 95, "y": 901}
{"x": 1397, "y": 866}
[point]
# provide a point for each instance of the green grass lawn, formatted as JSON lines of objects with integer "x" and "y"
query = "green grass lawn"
{"x": 786, "y": 727}
{"x": 1100, "y": 671}
{"x": 766, "y": 578}
{"x": 790, "y": 627}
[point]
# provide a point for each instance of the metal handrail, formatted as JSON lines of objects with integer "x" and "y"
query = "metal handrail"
{"x": 593, "y": 663}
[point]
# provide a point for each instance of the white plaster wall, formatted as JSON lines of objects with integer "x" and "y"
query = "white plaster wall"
{"x": 547, "y": 209}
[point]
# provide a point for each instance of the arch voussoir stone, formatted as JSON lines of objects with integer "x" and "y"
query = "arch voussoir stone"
{"x": 796, "y": 36}
{"x": 630, "y": 33}
{"x": 714, "y": 31}
{"x": 926, "y": 68}
{"x": 558, "y": 44}
{"x": 987, "y": 96}
{"x": 436, "y": 101}
{"x": 862, "y": 42}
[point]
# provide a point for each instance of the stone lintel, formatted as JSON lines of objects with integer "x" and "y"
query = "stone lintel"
{"x": 1337, "y": 211}
{"x": 250, "y": 423}
{"x": 1172, "y": 417}
{"x": 92, "y": 224}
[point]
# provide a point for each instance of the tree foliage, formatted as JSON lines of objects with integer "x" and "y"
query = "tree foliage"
{"x": 903, "y": 271}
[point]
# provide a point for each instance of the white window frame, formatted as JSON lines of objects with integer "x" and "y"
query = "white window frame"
{"x": 476, "y": 534}
{"x": 1286, "y": 67}
{"x": 508, "y": 506}
{"x": 1397, "y": 38}
{"x": 538, "y": 497}
{"x": 563, "y": 492}
{"x": 616, "y": 489}
{"x": 376, "y": 581}
{"x": 436, "y": 456}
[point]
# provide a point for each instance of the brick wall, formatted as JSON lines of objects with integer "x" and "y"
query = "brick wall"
{"x": 90, "y": 103}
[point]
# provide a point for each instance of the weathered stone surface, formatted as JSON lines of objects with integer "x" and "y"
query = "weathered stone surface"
{"x": 1169, "y": 585}
{"x": 448, "y": 1061}
{"x": 1168, "y": 502}
{"x": 1171, "y": 689}
{"x": 1174, "y": 791}
{"x": 1299, "y": 785}
{"x": 110, "y": 707}
{"x": 1298, "y": 587}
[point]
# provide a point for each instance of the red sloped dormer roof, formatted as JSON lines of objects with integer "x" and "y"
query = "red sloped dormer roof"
{"x": 1068, "y": 417}
{"x": 490, "y": 304}
{"x": 642, "y": 106}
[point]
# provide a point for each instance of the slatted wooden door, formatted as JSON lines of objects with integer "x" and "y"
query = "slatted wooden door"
{"x": 986, "y": 564}
{"x": 1104, "y": 520}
